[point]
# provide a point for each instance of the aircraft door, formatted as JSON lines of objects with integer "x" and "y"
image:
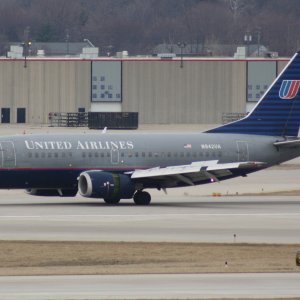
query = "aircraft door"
{"x": 8, "y": 155}
{"x": 242, "y": 151}
{"x": 115, "y": 156}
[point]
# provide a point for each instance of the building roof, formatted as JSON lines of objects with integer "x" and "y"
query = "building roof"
{"x": 208, "y": 50}
{"x": 56, "y": 49}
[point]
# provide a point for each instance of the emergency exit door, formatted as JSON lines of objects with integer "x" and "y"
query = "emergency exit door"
{"x": 242, "y": 151}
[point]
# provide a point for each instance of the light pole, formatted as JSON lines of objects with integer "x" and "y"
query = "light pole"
{"x": 26, "y": 44}
{"x": 258, "y": 32}
{"x": 181, "y": 45}
{"x": 89, "y": 42}
{"x": 109, "y": 50}
{"x": 67, "y": 39}
{"x": 247, "y": 40}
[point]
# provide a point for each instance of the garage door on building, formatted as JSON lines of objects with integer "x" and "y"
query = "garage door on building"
{"x": 5, "y": 115}
{"x": 21, "y": 115}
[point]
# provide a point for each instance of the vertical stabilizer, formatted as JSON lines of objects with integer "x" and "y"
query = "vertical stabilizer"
{"x": 278, "y": 111}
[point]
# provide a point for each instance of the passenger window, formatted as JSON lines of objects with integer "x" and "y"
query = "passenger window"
{"x": 143, "y": 154}
{"x": 102, "y": 154}
{"x": 36, "y": 155}
{"x": 150, "y": 154}
{"x": 90, "y": 154}
{"x": 136, "y": 154}
{"x": 30, "y": 155}
{"x": 56, "y": 155}
{"x": 169, "y": 154}
{"x": 83, "y": 154}
{"x": 49, "y": 155}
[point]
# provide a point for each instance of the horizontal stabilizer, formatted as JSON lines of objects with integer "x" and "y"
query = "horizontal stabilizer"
{"x": 288, "y": 143}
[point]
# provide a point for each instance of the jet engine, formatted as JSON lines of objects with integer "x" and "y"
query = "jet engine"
{"x": 109, "y": 186}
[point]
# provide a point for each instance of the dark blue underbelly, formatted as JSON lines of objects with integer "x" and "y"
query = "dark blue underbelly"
{"x": 19, "y": 179}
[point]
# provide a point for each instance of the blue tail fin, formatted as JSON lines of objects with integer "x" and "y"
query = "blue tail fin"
{"x": 278, "y": 111}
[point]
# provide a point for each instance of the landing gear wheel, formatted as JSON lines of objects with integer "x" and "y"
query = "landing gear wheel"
{"x": 112, "y": 201}
{"x": 142, "y": 198}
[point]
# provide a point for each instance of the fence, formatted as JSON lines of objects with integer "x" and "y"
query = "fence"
{"x": 68, "y": 119}
{"x": 230, "y": 117}
{"x": 95, "y": 120}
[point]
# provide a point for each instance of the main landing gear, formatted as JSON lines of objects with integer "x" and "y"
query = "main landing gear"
{"x": 139, "y": 198}
{"x": 142, "y": 198}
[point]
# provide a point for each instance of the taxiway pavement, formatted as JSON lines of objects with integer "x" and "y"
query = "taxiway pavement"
{"x": 250, "y": 219}
{"x": 178, "y": 286}
{"x": 184, "y": 215}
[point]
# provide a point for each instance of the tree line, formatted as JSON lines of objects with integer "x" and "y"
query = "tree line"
{"x": 139, "y": 25}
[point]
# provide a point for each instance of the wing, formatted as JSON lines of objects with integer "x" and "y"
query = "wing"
{"x": 194, "y": 173}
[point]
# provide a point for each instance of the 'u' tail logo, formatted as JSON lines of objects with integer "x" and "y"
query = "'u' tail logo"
{"x": 289, "y": 89}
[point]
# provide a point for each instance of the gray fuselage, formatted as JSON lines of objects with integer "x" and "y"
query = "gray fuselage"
{"x": 26, "y": 158}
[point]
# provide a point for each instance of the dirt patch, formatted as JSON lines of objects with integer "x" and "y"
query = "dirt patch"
{"x": 66, "y": 258}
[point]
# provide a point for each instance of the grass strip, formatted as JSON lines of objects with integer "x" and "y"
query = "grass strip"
{"x": 66, "y": 258}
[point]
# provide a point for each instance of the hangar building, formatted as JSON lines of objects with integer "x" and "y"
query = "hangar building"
{"x": 162, "y": 91}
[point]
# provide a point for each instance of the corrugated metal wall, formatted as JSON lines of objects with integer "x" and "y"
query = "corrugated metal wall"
{"x": 281, "y": 65}
{"x": 161, "y": 91}
{"x": 200, "y": 92}
{"x": 43, "y": 87}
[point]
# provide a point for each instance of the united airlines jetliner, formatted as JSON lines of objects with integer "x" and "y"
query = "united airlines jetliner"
{"x": 122, "y": 166}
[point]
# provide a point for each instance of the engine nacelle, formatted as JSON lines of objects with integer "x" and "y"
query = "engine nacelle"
{"x": 99, "y": 184}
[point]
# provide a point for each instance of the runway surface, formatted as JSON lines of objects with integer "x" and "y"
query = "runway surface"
{"x": 169, "y": 218}
{"x": 151, "y": 286}
{"x": 182, "y": 215}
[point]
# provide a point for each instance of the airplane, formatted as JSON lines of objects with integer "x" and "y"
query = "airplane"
{"x": 114, "y": 166}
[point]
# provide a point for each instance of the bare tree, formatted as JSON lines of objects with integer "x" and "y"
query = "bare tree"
{"x": 139, "y": 25}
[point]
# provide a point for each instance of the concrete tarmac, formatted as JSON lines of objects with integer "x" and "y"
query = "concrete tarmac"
{"x": 179, "y": 286}
{"x": 187, "y": 215}
{"x": 257, "y": 219}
